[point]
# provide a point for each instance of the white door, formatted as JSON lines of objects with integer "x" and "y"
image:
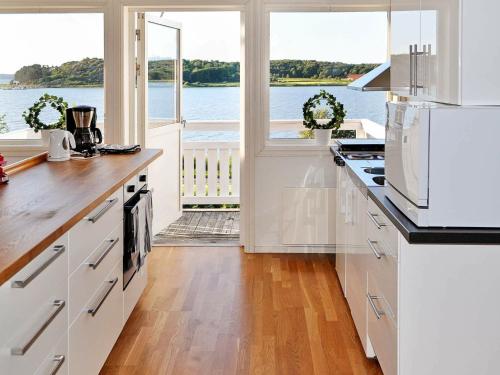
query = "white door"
{"x": 159, "y": 85}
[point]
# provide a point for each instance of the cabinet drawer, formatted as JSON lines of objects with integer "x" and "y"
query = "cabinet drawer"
{"x": 382, "y": 329}
{"x": 134, "y": 290}
{"x": 94, "y": 332}
{"x": 93, "y": 229}
{"x": 29, "y": 347}
{"x": 85, "y": 281}
{"x": 31, "y": 290}
{"x": 380, "y": 227}
{"x": 56, "y": 362}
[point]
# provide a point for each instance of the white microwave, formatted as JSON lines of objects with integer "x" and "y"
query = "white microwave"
{"x": 442, "y": 164}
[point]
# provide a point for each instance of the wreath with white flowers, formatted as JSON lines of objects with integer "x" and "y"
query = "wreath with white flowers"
{"x": 32, "y": 115}
{"x": 337, "y": 113}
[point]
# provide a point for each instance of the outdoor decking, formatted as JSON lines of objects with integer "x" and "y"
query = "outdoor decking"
{"x": 202, "y": 228}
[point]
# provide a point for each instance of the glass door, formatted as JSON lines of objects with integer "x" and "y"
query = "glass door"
{"x": 158, "y": 72}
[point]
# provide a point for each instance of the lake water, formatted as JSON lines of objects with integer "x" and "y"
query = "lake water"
{"x": 206, "y": 103}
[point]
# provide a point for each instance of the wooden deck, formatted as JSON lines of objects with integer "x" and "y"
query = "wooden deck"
{"x": 202, "y": 228}
{"x": 221, "y": 311}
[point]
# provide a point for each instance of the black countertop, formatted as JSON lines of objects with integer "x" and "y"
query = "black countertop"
{"x": 421, "y": 235}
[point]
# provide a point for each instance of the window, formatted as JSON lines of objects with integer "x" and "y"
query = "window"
{"x": 60, "y": 54}
{"x": 316, "y": 51}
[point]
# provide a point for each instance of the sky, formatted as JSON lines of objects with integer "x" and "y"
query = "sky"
{"x": 51, "y": 39}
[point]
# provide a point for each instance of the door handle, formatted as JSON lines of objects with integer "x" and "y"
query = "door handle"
{"x": 374, "y": 220}
{"x": 57, "y": 362}
{"x": 411, "y": 70}
{"x": 378, "y": 313}
{"x": 371, "y": 245}
{"x": 57, "y": 251}
{"x": 22, "y": 348}
{"x": 93, "y": 310}
{"x": 111, "y": 244}
{"x": 105, "y": 209}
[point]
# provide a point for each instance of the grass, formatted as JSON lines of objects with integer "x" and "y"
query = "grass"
{"x": 310, "y": 82}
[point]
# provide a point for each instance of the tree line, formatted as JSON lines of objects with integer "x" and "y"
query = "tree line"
{"x": 90, "y": 71}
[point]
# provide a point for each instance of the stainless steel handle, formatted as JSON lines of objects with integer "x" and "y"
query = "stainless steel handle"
{"x": 57, "y": 362}
{"x": 93, "y": 310}
{"x": 21, "y": 349}
{"x": 57, "y": 251}
{"x": 371, "y": 245}
{"x": 411, "y": 70}
{"x": 415, "y": 70}
{"x": 109, "y": 247}
{"x": 372, "y": 218}
{"x": 378, "y": 313}
{"x": 105, "y": 209}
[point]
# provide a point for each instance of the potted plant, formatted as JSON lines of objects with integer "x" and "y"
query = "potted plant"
{"x": 32, "y": 115}
{"x": 323, "y": 120}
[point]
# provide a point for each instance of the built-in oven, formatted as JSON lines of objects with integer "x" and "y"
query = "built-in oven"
{"x": 137, "y": 226}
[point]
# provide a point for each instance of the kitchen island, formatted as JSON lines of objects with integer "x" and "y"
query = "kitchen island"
{"x": 63, "y": 296}
{"x": 41, "y": 203}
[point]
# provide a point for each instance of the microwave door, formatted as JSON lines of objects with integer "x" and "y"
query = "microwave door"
{"x": 407, "y": 153}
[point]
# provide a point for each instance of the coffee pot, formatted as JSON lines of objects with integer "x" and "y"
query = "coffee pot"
{"x": 60, "y": 144}
{"x": 81, "y": 122}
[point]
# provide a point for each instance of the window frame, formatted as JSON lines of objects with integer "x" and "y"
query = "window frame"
{"x": 265, "y": 144}
{"x": 20, "y": 7}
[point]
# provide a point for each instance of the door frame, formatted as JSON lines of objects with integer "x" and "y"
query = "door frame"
{"x": 248, "y": 93}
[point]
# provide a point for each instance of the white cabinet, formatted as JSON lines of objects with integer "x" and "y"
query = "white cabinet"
{"x": 33, "y": 310}
{"x": 352, "y": 250}
{"x": 445, "y": 50}
{"x": 340, "y": 227}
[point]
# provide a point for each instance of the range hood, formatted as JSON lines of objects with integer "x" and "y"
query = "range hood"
{"x": 378, "y": 79}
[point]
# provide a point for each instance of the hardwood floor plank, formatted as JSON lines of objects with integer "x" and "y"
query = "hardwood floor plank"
{"x": 219, "y": 311}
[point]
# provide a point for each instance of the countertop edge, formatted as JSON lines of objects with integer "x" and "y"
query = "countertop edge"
{"x": 15, "y": 266}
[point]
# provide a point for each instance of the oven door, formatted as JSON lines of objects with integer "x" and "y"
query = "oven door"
{"x": 407, "y": 151}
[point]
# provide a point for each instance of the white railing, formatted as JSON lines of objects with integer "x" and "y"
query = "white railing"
{"x": 211, "y": 173}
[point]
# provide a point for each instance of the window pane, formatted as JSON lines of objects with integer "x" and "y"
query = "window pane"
{"x": 163, "y": 59}
{"x": 58, "y": 54}
{"x": 323, "y": 51}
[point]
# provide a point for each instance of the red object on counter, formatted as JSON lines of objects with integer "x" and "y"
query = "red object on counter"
{"x": 3, "y": 176}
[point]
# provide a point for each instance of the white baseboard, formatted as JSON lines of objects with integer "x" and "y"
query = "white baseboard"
{"x": 306, "y": 249}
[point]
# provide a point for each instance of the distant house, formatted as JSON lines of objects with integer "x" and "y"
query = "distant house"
{"x": 353, "y": 77}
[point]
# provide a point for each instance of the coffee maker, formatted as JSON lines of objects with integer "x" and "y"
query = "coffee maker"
{"x": 81, "y": 122}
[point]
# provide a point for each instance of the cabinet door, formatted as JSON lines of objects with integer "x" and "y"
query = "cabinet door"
{"x": 438, "y": 65}
{"x": 340, "y": 257}
{"x": 405, "y": 32}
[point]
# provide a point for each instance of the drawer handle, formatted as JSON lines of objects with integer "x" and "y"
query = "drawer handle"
{"x": 58, "y": 361}
{"x": 378, "y": 313}
{"x": 374, "y": 220}
{"x": 371, "y": 245}
{"x": 109, "y": 247}
{"x": 92, "y": 311}
{"x": 105, "y": 209}
{"x": 56, "y": 252}
{"x": 56, "y": 308}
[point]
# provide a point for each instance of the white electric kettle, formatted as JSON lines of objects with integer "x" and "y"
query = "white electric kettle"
{"x": 60, "y": 144}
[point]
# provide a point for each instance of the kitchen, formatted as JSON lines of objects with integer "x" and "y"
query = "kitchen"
{"x": 405, "y": 214}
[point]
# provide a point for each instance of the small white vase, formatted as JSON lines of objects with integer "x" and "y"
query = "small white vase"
{"x": 323, "y": 136}
{"x": 45, "y": 137}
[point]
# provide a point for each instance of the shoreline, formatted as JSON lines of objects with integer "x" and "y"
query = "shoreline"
{"x": 296, "y": 82}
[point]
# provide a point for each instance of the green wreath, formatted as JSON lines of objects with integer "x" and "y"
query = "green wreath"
{"x": 336, "y": 115}
{"x": 31, "y": 116}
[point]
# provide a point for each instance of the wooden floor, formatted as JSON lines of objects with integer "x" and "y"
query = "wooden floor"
{"x": 220, "y": 311}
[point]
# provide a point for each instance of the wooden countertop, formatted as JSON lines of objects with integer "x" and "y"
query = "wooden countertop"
{"x": 40, "y": 204}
